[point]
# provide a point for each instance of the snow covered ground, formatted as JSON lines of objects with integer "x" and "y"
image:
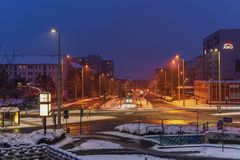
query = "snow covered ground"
{"x": 144, "y": 128}
{"x": 16, "y": 140}
{"x": 206, "y": 150}
{"x": 96, "y": 144}
{"x": 121, "y": 157}
{"x": 34, "y": 122}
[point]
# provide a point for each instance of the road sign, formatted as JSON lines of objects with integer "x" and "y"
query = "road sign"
{"x": 66, "y": 114}
{"x": 227, "y": 120}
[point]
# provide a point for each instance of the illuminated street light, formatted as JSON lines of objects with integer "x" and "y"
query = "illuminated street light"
{"x": 59, "y": 93}
{"x": 53, "y": 30}
{"x": 219, "y": 77}
{"x": 86, "y": 67}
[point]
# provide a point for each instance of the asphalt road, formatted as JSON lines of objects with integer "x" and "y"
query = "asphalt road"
{"x": 161, "y": 110}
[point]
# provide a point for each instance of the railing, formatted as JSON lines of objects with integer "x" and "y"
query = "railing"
{"x": 43, "y": 152}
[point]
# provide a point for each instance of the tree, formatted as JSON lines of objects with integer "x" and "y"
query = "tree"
{"x": 46, "y": 83}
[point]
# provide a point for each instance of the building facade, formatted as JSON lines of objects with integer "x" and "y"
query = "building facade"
{"x": 108, "y": 67}
{"x": 208, "y": 91}
{"x": 227, "y": 43}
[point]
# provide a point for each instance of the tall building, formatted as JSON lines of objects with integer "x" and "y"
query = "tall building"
{"x": 227, "y": 42}
{"x": 108, "y": 67}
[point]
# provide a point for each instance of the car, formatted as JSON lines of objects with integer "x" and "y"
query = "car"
{"x": 168, "y": 99}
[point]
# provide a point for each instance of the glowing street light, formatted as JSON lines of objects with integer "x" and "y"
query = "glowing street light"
{"x": 86, "y": 67}
{"x": 53, "y": 30}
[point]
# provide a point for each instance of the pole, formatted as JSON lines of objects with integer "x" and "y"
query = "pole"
{"x": 82, "y": 83}
{"x": 109, "y": 81}
{"x": 172, "y": 82}
{"x": 75, "y": 86}
{"x": 210, "y": 93}
{"x": 59, "y": 81}
{"x": 183, "y": 81}
{"x": 81, "y": 114}
{"x": 222, "y": 137}
{"x": 44, "y": 124}
{"x": 178, "y": 82}
{"x": 219, "y": 80}
{"x": 197, "y": 121}
{"x": 99, "y": 85}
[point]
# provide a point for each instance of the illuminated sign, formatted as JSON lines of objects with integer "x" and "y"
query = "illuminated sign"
{"x": 45, "y": 97}
{"x": 228, "y": 46}
{"x": 45, "y": 109}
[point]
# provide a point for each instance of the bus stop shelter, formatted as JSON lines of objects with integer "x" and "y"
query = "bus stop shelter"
{"x": 9, "y": 116}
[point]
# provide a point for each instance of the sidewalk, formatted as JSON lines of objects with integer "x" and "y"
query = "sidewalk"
{"x": 191, "y": 104}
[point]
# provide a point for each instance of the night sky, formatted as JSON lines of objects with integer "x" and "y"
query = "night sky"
{"x": 139, "y": 35}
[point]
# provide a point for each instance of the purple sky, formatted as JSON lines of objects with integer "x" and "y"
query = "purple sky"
{"x": 139, "y": 35}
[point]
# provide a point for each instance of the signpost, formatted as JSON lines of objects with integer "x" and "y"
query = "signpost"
{"x": 81, "y": 115}
{"x": 45, "y": 107}
{"x": 66, "y": 116}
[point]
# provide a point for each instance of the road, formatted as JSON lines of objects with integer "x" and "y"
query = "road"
{"x": 160, "y": 110}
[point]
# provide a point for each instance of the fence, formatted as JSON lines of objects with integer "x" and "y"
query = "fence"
{"x": 43, "y": 152}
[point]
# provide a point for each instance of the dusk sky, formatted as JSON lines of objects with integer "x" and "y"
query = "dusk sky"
{"x": 139, "y": 35}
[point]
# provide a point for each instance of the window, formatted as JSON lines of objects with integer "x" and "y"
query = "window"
{"x": 237, "y": 65}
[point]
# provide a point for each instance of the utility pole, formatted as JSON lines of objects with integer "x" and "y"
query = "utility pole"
{"x": 99, "y": 85}
{"x": 178, "y": 81}
{"x": 219, "y": 80}
{"x": 82, "y": 82}
{"x": 59, "y": 81}
{"x": 183, "y": 68}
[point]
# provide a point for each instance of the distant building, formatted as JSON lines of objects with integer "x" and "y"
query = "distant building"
{"x": 227, "y": 41}
{"x": 208, "y": 91}
{"x": 108, "y": 67}
{"x": 29, "y": 68}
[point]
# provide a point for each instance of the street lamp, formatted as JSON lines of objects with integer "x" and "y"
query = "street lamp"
{"x": 173, "y": 64}
{"x": 165, "y": 77}
{"x": 219, "y": 77}
{"x": 86, "y": 66}
{"x": 59, "y": 77}
{"x": 178, "y": 68}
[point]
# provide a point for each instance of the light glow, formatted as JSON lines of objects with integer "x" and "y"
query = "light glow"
{"x": 228, "y": 46}
{"x": 45, "y": 109}
{"x": 53, "y": 30}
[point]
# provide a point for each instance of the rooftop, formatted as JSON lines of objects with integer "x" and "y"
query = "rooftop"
{"x": 17, "y": 59}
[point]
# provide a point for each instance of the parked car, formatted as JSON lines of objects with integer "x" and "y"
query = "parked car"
{"x": 168, "y": 98}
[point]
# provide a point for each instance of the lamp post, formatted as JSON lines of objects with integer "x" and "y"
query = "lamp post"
{"x": 219, "y": 78}
{"x": 173, "y": 63}
{"x": 165, "y": 76}
{"x": 178, "y": 70}
{"x": 99, "y": 85}
{"x": 59, "y": 94}
{"x": 86, "y": 66}
{"x": 183, "y": 77}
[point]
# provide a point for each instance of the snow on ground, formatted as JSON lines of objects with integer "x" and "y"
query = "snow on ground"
{"x": 67, "y": 140}
{"x": 96, "y": 144}
{"x": 34, "y": 122}
{"x": 191, "y": 104}
{"x": 145, "y": 128}
{"x": 20, "y": 139}
{"x": 205, "y": 150}
{"x": 121, "y": 157}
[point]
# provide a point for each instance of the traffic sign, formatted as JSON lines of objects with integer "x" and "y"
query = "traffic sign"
{"x": 227, "y": 120}
{"x": 66, "y": 116}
